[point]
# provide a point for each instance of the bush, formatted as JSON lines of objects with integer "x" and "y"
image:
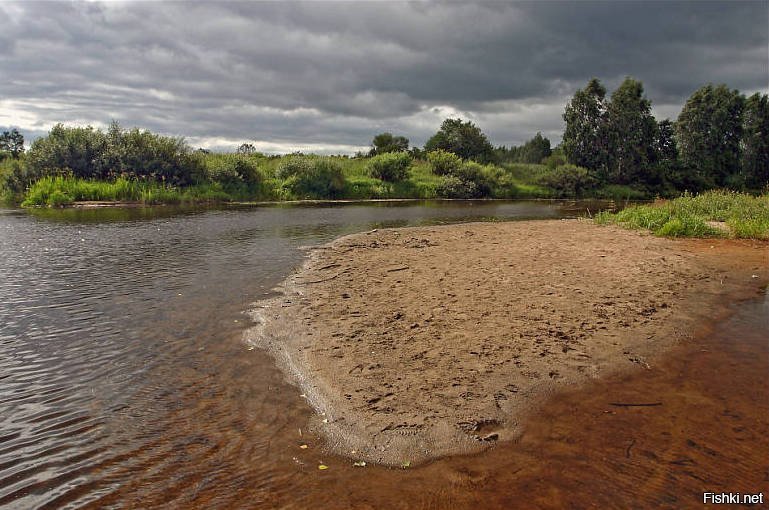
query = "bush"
{"x": 568, "y": 181}
{"x": 479, "y": 175}
{"x": 233, "y": 170}
{"x": 469, "y": 180}
{"x": 452, "y": 186}
{"x": 14, "y": 177}
{"x": 390, "y": 167}
{"x": 554, "y": 160}
{"x": 294, "y": 165}
{"x": 443, "y": 162}
{"x": 89, "y": 153}
{"x": 312, "y": 177}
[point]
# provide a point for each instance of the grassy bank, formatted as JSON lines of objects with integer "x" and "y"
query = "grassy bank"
{"x": 62, "y": 191}
{"x": 709, "y": 214}
{"x": 74, "y": 164}
{"x": 229, "y": 177}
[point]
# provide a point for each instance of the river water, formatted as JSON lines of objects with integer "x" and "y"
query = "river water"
{"x": 125, "y": 380}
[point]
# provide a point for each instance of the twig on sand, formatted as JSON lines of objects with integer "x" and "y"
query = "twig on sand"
{"x": 627, "y": 450}
{"x": 399, "y": 268}
{"x": 645, "y": 404}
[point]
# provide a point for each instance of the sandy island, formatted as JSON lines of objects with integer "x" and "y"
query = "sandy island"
{"x": 416, "y": 343}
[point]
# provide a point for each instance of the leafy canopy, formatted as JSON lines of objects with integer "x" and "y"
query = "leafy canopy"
{"x": 386, "y": 142}
{"x": 464, "y": 139}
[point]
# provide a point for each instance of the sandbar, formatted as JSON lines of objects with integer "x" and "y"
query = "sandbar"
{"x": 417, "y": 343}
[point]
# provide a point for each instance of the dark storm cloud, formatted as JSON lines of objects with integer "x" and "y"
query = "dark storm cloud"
{"x": 331, "y": 75}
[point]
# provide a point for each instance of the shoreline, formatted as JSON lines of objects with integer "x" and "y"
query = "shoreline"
{"x": 408, "y": 352}
{"x": 96, "y": 204}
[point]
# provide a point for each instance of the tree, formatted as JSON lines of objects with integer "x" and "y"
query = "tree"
{"x": 535, "y": 150}
{"x": 386, "y": 142}
{"x": 755, "y": 141}
{"x": 665, "y": 142}
{"x": 708, "y": 133}
{"x": 78, "y": 151}
{"x": 12, "y": 142}
{"x": 631, "y": 131}
{"x": 584, "y": 140}
{"x": 464, "y": 139}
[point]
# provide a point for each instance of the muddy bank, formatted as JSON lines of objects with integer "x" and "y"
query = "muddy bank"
{"x": 423, "y": 342}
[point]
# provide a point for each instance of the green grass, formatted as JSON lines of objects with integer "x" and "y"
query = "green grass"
{"x": 746, "y": 216}
{"x": 61, "y": 191}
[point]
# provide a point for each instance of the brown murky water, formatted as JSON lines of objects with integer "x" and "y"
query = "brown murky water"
{"x": 124, "y": 382}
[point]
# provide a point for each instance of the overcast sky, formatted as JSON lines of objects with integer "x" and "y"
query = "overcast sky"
{"x": 327, "y": 77}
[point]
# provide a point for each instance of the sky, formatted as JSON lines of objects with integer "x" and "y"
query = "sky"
{"x": 326, "y": 77}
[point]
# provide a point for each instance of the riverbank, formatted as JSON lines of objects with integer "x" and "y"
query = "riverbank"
{"x": 417, "y": 343}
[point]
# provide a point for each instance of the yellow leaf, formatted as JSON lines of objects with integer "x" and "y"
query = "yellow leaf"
{"x": 303, "y": 446}
{"x": 322, "y": 467}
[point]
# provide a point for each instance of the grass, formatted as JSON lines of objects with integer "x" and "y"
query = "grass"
{"x": 61, "y": 191}
{"x": 745, "y": 216}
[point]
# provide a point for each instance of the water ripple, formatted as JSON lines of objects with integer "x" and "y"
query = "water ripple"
{"x": 123, "y": 378}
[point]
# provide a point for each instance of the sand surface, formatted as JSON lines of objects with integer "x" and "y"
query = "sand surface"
{"x": 416, "y": 343}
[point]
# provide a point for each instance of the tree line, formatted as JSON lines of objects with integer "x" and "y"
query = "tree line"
{"x": 720, "y": 139}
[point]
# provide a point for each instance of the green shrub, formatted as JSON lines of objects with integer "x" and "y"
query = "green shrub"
{"x": 554, "y": 160}
{"x": 14, "y": 178}
{"x": 293, "y": 165}
{"x": 233, "y": 170}
{"x": 443, "y": 162}
{"x": 312, "y": 177}
{"x": 568, "y": 181}
{"x": 89, "y": 153}
{"x": 452, "y": 186}
{"x": 390, "y": 166}
{"x": 480, "y": 176}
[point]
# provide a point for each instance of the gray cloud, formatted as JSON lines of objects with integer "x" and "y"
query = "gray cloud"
{"x": 329, "y": 76}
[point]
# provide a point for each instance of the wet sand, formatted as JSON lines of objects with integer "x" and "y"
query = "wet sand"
{"x": 417, "y": 343}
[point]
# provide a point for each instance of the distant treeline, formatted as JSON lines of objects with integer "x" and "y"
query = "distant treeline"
{"x": 612, "y": 147}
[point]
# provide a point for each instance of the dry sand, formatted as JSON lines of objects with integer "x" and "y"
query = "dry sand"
{"x": 416, "y": 343}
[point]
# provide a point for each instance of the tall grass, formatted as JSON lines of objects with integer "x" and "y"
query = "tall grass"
{"x": 710, "y": 214}
{"x": 60, "y": 191}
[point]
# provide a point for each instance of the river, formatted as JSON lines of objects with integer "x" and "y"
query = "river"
{"x": 125, "y": 380}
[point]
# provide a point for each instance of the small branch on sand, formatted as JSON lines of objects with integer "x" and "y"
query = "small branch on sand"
{"x": 400, "y": 268}
{"x": 627, "y": 450}
{"x": 624, "y": 404}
